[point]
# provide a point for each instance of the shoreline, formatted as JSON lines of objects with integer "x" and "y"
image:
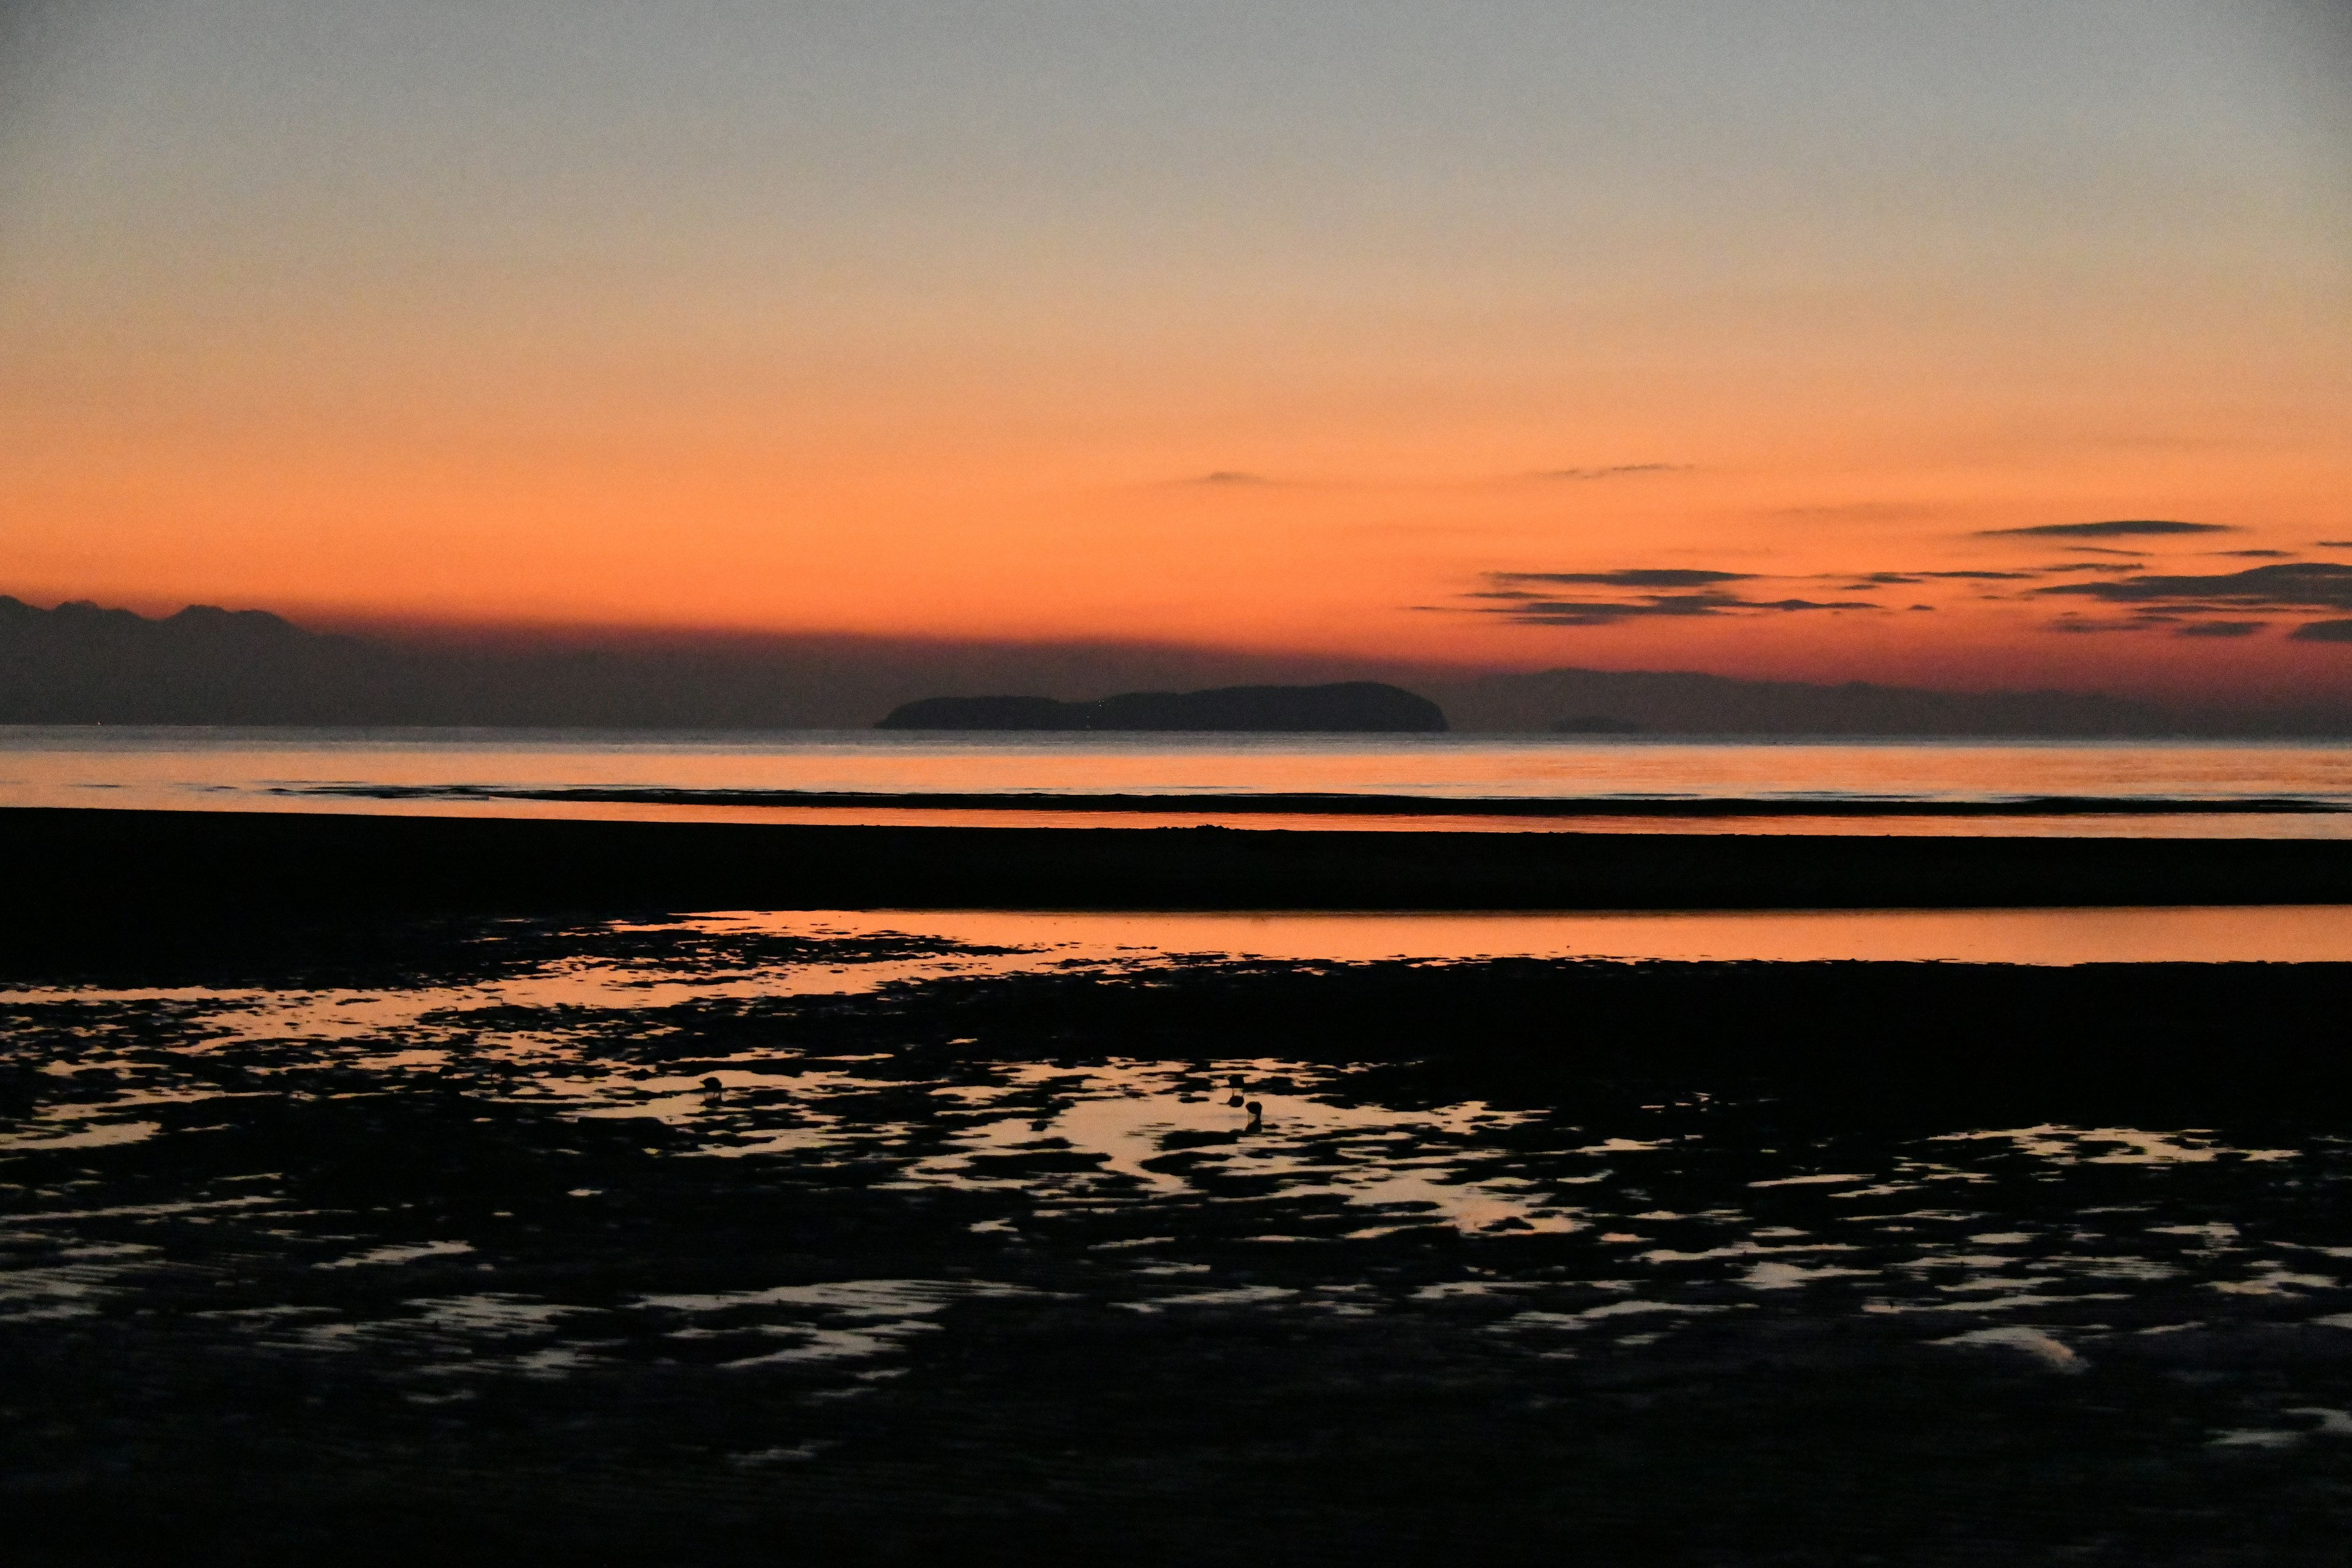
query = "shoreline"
{"x": 532, "y": 1239}
{"x": 71, "y": 866}
{"x": 1346, "y": 803}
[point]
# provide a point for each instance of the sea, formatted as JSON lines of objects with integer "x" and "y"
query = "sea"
{"x": 2282, "y": 789}
{"x": 2286, "y": 789}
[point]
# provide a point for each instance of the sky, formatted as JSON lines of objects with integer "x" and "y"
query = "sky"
{"x": 1964, "y": 343}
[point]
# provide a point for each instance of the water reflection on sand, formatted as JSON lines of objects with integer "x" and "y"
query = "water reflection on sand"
{"x": 769, "y": 1059}
{"x": 2257, "y": 934}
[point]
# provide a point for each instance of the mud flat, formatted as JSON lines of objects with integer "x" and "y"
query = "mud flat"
{"x": 731, "y": 1240}
{"x": 73, "y": 870}
{"x": 354, "y": 1207}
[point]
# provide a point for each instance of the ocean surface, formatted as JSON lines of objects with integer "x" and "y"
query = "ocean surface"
{"x": 1488, "y": 783}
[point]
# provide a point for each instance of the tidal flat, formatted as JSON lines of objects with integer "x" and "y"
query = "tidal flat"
{"x": 741, "y": 1237}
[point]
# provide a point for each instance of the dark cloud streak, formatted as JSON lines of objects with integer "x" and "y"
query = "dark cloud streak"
{"x": 1701, "y": 596}
{"x": 2304, "y": 584}
{"x": 1614, "y": 471}
{"x": 1630, "y": 577}
{"x": 2123, "y": 529}
{"x": 2199, "y": 604}
{"x": 1583, "y": 613}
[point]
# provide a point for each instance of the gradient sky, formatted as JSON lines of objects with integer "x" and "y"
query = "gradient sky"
{"x": 1406, "y": 329}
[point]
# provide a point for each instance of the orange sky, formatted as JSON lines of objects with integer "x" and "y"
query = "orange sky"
{"x": 788, "y": 322}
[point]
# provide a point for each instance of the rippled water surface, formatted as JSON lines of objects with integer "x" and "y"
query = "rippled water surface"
{"x": 707, "y": 776}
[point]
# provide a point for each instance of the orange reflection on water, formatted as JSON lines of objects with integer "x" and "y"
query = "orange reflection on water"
{"x": 283, "y": 770}
{"x": 2276, "y": 934}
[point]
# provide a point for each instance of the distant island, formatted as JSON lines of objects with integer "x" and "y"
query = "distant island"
{"x": 1351, "y": 707}
{"x": 77, "y": 663}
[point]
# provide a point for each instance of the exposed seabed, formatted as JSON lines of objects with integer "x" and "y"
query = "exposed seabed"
{"x": 81, "y": 874}
{"x": 724, "y": 1239}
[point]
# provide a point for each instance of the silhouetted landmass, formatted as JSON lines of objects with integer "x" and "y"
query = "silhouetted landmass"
{"x": 1351, "y": 707}
{"x": 80, "y": 664}
{"x": 984, "y": 713}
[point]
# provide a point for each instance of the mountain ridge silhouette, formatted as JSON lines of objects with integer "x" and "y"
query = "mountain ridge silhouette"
{"x": 79, "y": 663}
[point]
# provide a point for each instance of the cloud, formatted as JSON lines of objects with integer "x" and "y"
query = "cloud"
{"x": 1615, "y": 471}
{"x": 2200, "y": 604}
{"x": 2258, "y": 554}
{"x": 1686, "y": 592}
{"x": 1867, "y": 580}
{"x": 1596, "y": 612}
{"x": 1599, "y": 613}
{"x": 1227, "y": 476}
{"x": 2335, "y": 543}
{"x": 1630, "y": 577}
{"x": 2299, "y": 585}
{"x": 2129, "y": 529}
{"x": 2077, "y": 624}
{"x": 2290, "y": 586}
{"x": 2096, "y": 550}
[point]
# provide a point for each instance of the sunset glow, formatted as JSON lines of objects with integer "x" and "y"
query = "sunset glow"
{"x": 1480, "y": 334}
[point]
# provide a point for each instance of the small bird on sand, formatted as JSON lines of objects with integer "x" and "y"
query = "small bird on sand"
{"x": 711, "y": 1086}
{"x": 1257, "y": 1111}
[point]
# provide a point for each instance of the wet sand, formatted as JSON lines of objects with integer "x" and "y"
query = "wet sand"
{"x": 79, "y": 873}
{"x": 701, "y": 1239}
{"x": 343, "y": 1219}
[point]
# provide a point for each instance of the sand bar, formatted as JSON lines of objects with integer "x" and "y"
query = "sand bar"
{"x": 68, "y": 863}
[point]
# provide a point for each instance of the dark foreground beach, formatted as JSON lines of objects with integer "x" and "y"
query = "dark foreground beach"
{"x": 75, "y": 872}
{"x": 655, "y": 1238}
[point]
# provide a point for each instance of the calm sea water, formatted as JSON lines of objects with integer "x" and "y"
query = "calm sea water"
{"x": 538, "y": 773}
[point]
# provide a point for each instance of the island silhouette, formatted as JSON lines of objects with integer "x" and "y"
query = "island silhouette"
{"x": 1349, "y": 705}
{"x": 79, "y": 663}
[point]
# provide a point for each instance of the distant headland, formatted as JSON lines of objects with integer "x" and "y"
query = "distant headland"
{"x": 77, "y": 663}
{"x": 1356, "y": 707}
